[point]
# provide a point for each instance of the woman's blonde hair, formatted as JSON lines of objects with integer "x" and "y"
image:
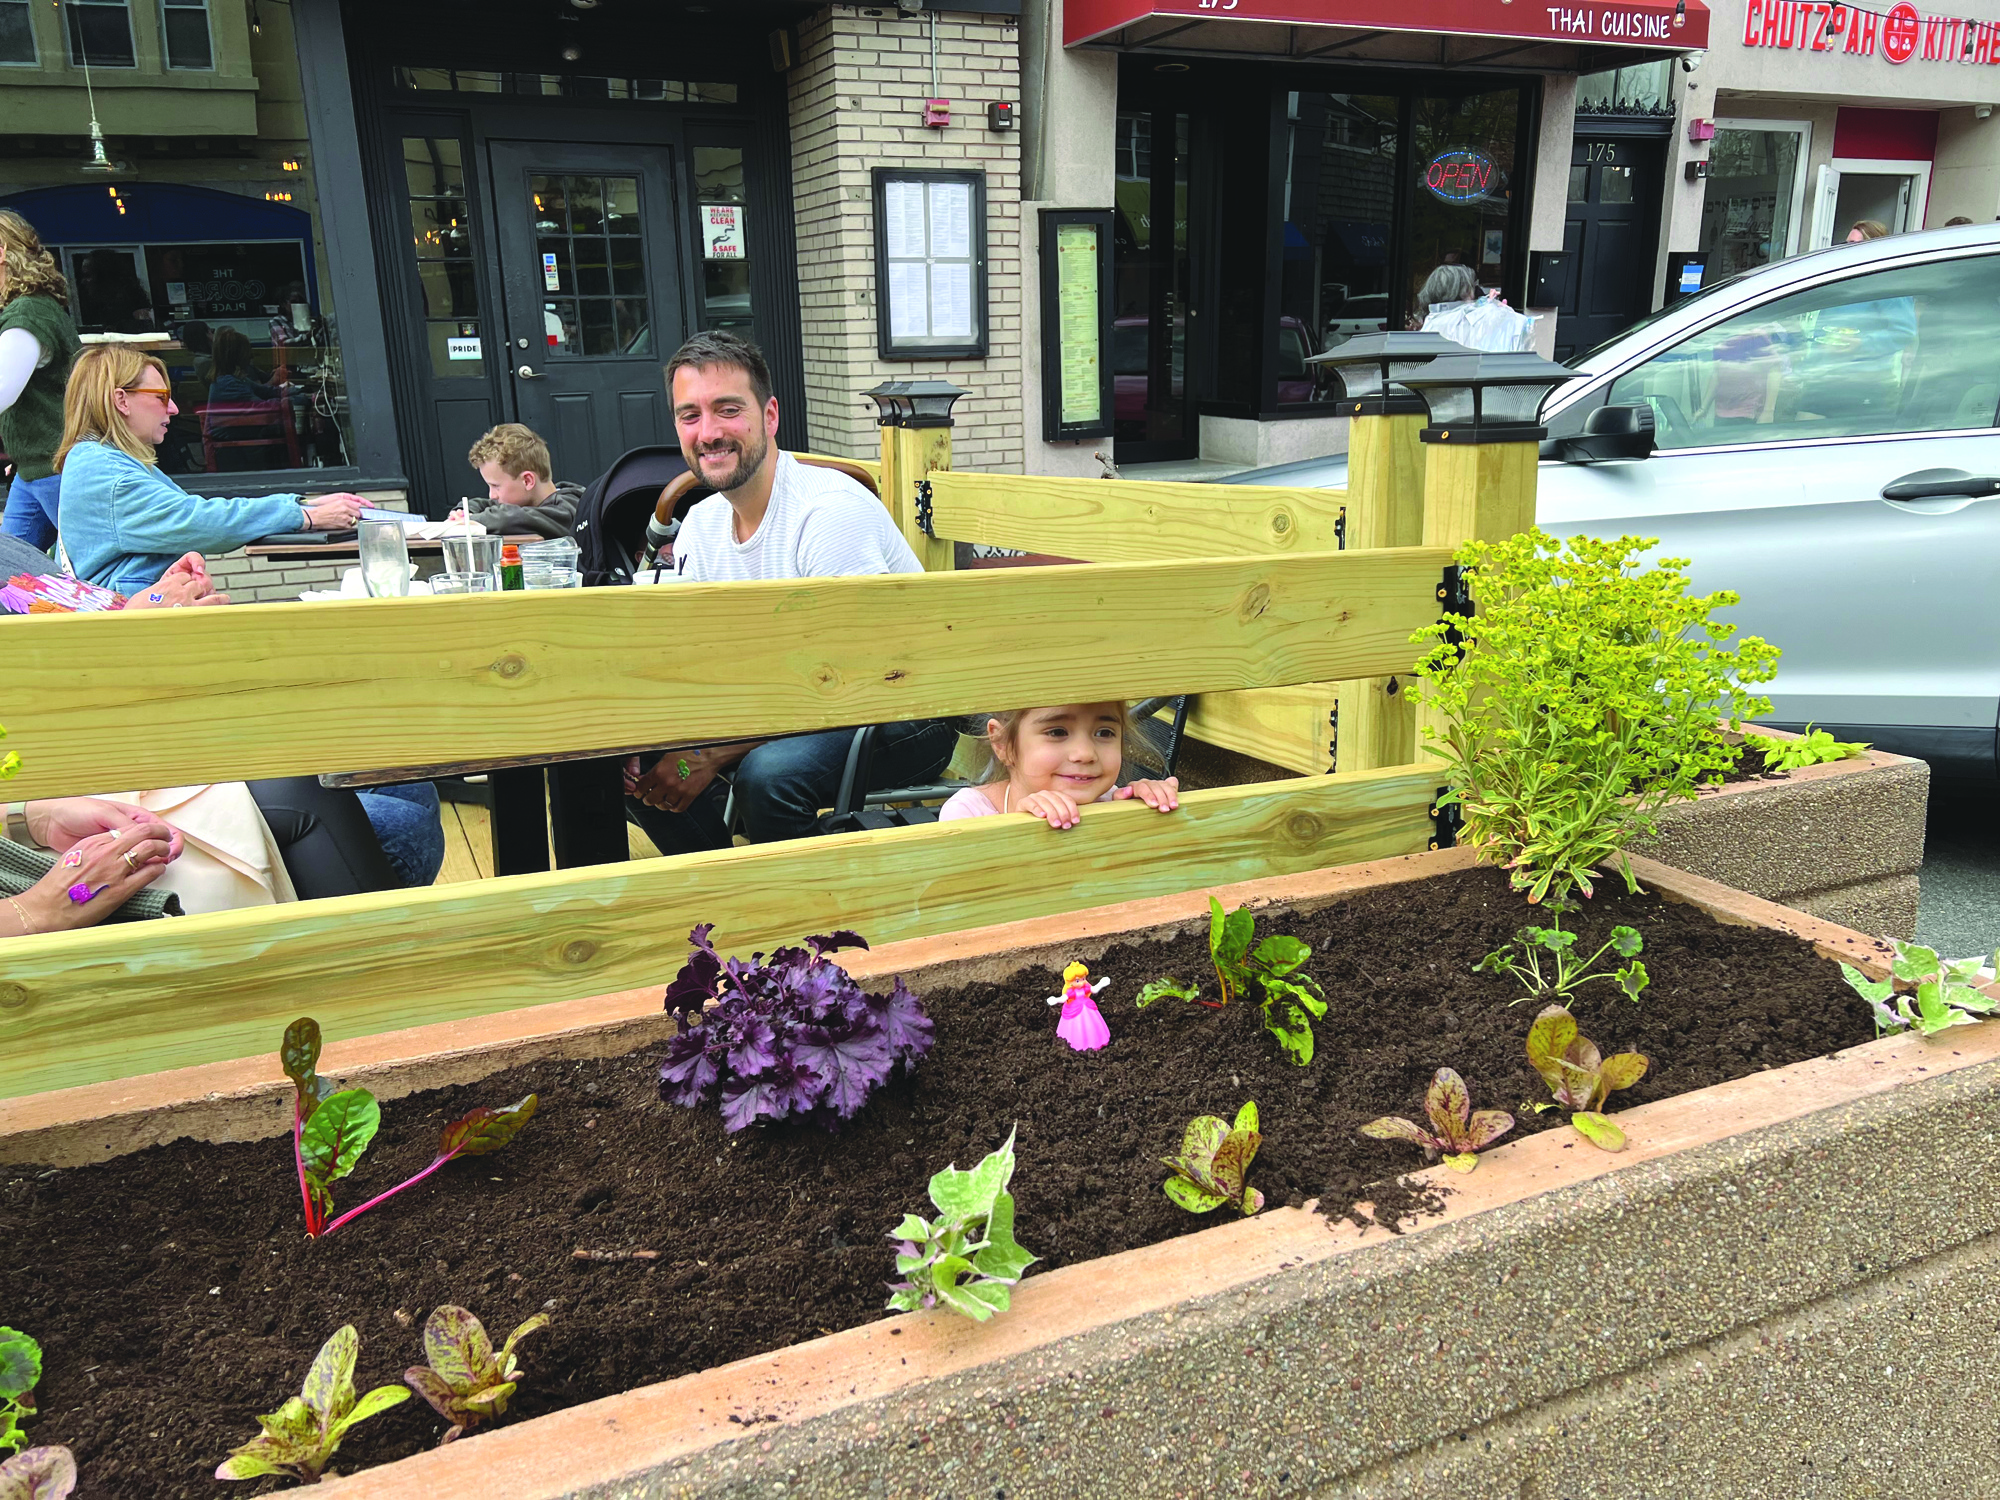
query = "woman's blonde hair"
{"x": 89, "y": 413}
{"x": 1131, "y": 742}
{"x": 31, "y": 270}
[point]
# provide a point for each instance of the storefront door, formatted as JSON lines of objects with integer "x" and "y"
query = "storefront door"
{"x": 1609, "y": 232}
{"x": 589, "y": 263}
{"x": 1152, "y": 314}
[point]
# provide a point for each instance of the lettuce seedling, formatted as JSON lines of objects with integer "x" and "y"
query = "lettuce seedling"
{"x": 38, "y": 1474}
{"x": 1457, "y": 1132}
{"x": 331, "y": 1129}
{"x": 466, "y": 1380}
{"x": 1944, "y": 994}
{"x": 300, "y": 1438}
{"x": 792, "y": 1036}
{"x": 20, "y": 1369}
{"x": 1291, "y": 1001}
{"x": 1814, "y": 747}
{"x": 1579, "y": 1076}
{"x": 965, "y": 1259}
{"x": 1214, "y": 1158}
{"x": 1566, "y": 972}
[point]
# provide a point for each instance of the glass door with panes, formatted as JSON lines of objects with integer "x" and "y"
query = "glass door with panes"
{"x": 589, "y": 264}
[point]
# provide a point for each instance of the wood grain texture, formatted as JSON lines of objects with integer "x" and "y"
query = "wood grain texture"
{"x": 1134, "y": 520}
{"x": 1385, "y": 508}
{"x": 111, "y": 1002}
{"x": 908, "y": 455}
{"x": 1287, "y": 726}
{"x": 195, "y": 695}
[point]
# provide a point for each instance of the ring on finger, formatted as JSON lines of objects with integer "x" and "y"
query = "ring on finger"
{"x": 130, "y": 863}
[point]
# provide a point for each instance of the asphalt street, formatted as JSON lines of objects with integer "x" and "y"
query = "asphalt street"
{"x": 1958, "y": 911}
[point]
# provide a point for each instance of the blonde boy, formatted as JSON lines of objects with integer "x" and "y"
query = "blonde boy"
{"x": 521, "y": 495}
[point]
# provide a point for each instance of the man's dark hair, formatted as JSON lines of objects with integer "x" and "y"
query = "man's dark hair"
{"x": 717, "y": 347}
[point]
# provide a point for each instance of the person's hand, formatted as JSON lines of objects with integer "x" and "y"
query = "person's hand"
{"x": 186, "y": 582}
{"x": 335, "y": 512}
{"x": 1058, "y": 808}
{"x": 1161, "y": 796}
{"x": 459, "y": 515}
{"x": 59, "y": 823}
{"x": 111, "y": 867}
{"x": 675, "y": 782}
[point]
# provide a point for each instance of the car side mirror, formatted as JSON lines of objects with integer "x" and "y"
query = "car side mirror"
{"x": 1612, "y": 432}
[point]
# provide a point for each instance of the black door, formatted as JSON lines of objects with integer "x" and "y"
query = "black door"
{"x": 1610, "y": 235}
{"x": 589, "y": 275}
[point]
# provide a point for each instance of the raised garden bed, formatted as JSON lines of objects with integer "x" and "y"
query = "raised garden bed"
{"x": 768, "y": 1238}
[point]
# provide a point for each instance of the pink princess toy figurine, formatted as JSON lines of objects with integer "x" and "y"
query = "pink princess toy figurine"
{"x": 1081, "y": 1026}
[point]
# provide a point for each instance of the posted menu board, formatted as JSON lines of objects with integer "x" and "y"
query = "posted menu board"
{"x": 930, "y": 264}
{"x": 1077, "y": 388}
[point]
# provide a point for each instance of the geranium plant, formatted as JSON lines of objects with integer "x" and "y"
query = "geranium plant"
{"x": 791, "y": 1035}
{"x": 332, "y": 1128}
{"x": 1579, "y": 1077}
{"x": 467, "y": 1381}
{"x": 1214, "y": 1157}
{"x": 1522, "y": 959}
{"x": 1581, "y": 695}
{"x": 966, "y": 1258}
{"x": 1291, "y": 1000}
{"x": 1924, "y": 992}
{"x": 38, "y": 1474}
{"x": 20, "y": 1370}
{"x": 300, "y": 1438}
{"x": 1458, "y": 1132}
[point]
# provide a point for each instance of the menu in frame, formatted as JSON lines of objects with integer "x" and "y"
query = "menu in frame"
{"x": 1080, "y": 400}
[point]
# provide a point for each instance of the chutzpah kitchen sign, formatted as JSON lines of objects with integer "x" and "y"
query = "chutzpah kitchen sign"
{"x": 1900, "y": 34}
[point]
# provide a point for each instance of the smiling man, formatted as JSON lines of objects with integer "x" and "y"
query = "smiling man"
{"x": 771, "y": 517}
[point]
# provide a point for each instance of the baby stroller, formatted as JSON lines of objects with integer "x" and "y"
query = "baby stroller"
{"x": 611, "y": 521}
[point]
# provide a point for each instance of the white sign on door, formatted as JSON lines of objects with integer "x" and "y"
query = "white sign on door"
{"x": 722, "y": 231}
{"x": 461, "y": 348}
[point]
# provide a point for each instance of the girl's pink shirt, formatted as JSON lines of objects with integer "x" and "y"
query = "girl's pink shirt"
{"x": 972, "y": 803}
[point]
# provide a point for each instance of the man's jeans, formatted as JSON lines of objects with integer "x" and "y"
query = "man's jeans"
{"x": 782, "y": 785}
{"x": 408, "y": 825}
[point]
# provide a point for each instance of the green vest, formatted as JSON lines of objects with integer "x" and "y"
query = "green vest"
{"x": 32, "y": 426}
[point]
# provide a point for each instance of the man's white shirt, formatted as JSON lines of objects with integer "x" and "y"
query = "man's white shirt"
{"x": 820, "y": 524}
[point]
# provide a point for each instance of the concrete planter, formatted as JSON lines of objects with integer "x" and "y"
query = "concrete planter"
{"x": 1715, "y": 1312}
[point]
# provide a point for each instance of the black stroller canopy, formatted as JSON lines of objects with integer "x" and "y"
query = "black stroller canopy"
{"x": 611, "y": 521}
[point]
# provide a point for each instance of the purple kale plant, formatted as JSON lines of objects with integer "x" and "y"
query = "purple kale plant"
{"x": 793, "y": 1035}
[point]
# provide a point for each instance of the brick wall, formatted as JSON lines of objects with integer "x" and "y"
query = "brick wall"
{"x": 268, "y": 580}
{"x": 856, "y": 104}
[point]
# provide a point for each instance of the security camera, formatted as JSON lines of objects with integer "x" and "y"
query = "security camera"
{"x": 1690, "y": 61}
{"x": 910, "y": 7}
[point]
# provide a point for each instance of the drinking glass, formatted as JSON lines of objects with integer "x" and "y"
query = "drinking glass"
{"x": 385, "y": 559}
{"x": 550, "y": 565}
{"x": 473, "y": 553}
{"x": 449, "y": 583}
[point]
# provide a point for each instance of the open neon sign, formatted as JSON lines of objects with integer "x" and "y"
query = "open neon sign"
{"x": 1461, "y": 176}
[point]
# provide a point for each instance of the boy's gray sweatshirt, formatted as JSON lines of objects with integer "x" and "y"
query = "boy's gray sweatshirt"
{"x": 553, "y": 518}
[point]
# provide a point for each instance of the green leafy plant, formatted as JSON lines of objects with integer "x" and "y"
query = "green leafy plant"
{"x": 1580, "y": 696}
{"x": 9, "y": 762}
{"x": 1522, "y": 959}
{"x": 1813, "y": 748}
{"x": 20, "y": 1370}
{"x": 300, "y": 1438}
{"x": 1579, "y": 1076}
{"x": 1923, "y": 991}
{"x": 38, "y": 1474}
{"x": 966, "y": 1258}
{"x": 1458, "y": 1132}
{"x": 332, "y": 1128}
{"x": 1291, "y": 1001}
{"x": 1214, "y": 1158}
{"x": 466, "y": 1380}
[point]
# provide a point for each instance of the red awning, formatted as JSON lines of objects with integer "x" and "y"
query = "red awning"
{"x": 1656, "y": 25}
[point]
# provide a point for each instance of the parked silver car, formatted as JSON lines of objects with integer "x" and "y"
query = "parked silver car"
{"x": 1828, "y": 434}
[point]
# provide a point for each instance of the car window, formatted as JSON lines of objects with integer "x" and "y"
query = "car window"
{"x": 1908, "y": 349}
{"x": 1291, "y": 355}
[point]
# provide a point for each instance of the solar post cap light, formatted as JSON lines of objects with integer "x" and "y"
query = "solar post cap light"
{"x": 1487, "y": 398}
{"x": 914, "y": 403}
{"x": 1372, "y": 367}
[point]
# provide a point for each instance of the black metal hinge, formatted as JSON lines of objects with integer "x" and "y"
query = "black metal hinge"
{"x": 1340, "y": 530}
{"x": 1333, "y": 739}
{"x": 1454, "y": 598}
{"x": 924, "y": 508}
{"x": 1447, "y": 819}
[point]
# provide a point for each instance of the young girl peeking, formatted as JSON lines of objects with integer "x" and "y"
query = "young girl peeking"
{"x": 1055, "y": 760}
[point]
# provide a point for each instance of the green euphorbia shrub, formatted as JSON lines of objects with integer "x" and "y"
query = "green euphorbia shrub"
{"x": 1584, "y": 697}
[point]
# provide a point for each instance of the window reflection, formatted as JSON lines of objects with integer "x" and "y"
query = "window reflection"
{"x": 601, "y": 276}
{"x": 1340, "y": 206}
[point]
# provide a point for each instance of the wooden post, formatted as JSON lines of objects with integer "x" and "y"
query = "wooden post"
{"x": 915, "y": 417}
{"x": 1376, "y": 723}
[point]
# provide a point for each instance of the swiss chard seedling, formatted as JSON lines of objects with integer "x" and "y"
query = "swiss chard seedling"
{"x": 1291, "y": 1000}
{"x": 1544, "y": 961}
{"x": 1813, "y": 748}
{"x": 1924, "y": 992}
{"x": 20, "y": 1369}
{"x": 466, "y": 1380}
{"x": 966, "y": 1258}
{"x": 1458, "y": 1132}
{"x": 300, "y": 1438}
{"x": 1214, "y": 1158}
{"x": 1579, "y": 1076}
{"x": 331, "y": 1129}
{"x": 794, "y": 1035}
{"x": 38, "y": 1474}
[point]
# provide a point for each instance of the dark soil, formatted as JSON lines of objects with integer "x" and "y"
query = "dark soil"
{"x": 175, "y": 1297}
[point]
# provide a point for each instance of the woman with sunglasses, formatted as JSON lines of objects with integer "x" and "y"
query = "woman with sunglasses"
{"x": 123, "y": 521}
